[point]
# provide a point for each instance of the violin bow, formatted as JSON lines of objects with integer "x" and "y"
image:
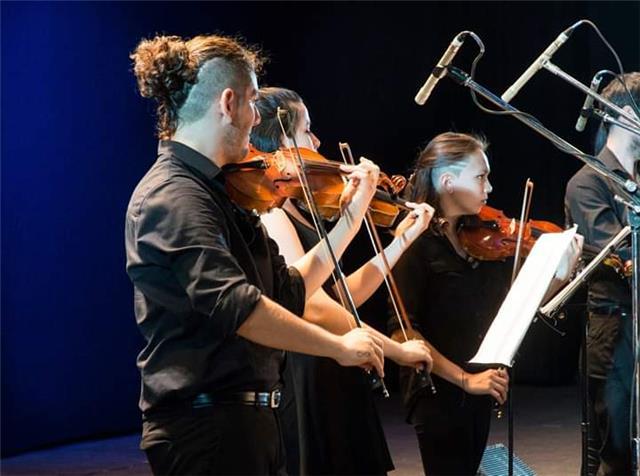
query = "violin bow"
{"x": 399, "y": 308}
{"x": 524, "y": 217}
{"x": 376, "y": 381}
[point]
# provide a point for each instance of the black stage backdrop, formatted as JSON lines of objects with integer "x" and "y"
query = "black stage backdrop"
{"x": 76, "y": 138}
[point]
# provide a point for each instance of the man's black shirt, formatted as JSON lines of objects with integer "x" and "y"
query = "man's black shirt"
{"x": 199, "y": 265}
{"x": 590, "y": 204}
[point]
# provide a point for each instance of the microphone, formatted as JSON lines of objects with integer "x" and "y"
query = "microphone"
{"x": 537, "y": 64}
{"x": 587, "y": 107}
{"x": 440, "y": 69}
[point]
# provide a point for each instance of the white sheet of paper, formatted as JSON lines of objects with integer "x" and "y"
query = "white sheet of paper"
{"x": 519, "y": 307}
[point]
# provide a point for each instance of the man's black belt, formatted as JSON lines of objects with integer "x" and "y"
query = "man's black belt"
{"x": 256, "y": 399}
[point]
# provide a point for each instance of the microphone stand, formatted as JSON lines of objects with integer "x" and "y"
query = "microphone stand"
{"x": 552, "y": 68}
{"x": 606, "y": 118}
{"x": 629, "y": 194}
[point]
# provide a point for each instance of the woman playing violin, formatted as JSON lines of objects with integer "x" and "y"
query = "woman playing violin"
{"x": 328, "y": 414}
{"x": 452, "y": 305}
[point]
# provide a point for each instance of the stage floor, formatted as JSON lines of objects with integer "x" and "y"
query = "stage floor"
{"x": 546, "y": 432}
{"x": 547, "y": 438}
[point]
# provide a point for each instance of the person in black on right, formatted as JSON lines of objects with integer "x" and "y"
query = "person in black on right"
{"x": 589, "y": 202}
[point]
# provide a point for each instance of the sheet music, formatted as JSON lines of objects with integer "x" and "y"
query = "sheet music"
{"x": 516, "y": 313}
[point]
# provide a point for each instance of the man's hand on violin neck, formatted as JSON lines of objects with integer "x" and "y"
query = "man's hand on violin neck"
{"x": 360, "y": 188}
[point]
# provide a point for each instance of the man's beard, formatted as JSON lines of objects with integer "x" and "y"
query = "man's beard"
{"x": 235, "y": 143}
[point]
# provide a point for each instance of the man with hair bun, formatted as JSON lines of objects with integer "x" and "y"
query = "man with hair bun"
{"x": 589, "y": 202}
{"x": 214, "y": 301}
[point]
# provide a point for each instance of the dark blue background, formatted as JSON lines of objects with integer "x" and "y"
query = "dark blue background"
{"x": 76, "y": 138}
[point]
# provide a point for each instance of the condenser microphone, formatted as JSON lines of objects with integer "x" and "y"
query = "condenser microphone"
{"x": 587, "y": 107}
{"x": 546, "y": 55}
{"x": 440, "y": 69}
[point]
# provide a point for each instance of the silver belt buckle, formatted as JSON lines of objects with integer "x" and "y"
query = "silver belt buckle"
{"x": 275, "y": 399}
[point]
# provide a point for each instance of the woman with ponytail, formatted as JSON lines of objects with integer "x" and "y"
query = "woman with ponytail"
{"x": 330, "y": 422}
{"x": 452, "y": 305}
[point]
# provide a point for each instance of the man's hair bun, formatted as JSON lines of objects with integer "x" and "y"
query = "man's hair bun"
{"x": 163, "y": 67}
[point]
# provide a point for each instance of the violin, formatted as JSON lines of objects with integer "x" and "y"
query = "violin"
{"x": 262, "y": 181}
{"x": 491, "y": 235}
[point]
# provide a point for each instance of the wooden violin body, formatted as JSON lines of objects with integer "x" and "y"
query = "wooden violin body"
{"x": 263, "y": 181}
{"x": 493, "y": 236}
